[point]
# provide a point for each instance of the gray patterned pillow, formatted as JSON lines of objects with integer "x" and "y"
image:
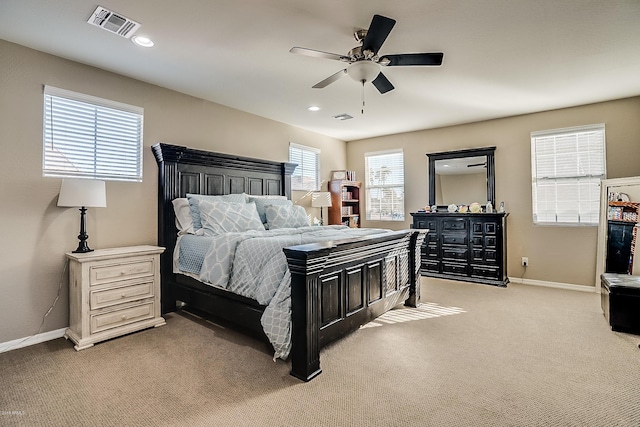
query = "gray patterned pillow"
{"x": 263, "y": 203}
{"x": 223, "y": 217}
{"x": 286, "y": 217}
{"x": 194, "y": 200}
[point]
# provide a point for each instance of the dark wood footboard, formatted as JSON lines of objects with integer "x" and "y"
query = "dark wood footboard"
{"x": 340, "y": 285}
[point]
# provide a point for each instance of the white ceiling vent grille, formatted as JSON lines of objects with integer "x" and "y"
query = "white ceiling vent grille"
{"x": 113, "y": 22}
{"x": 343, "y": 116}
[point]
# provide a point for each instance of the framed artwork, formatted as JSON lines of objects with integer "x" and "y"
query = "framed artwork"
{"x": 340, "y": 174}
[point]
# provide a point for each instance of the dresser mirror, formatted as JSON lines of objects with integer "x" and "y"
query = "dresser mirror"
{"x": 462, "y": 177}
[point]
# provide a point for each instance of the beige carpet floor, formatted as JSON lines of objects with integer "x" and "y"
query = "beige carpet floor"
{"x": 471, "y": 355}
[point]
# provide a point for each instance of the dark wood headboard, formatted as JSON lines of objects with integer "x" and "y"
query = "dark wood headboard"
{"x": 183, "y": 170}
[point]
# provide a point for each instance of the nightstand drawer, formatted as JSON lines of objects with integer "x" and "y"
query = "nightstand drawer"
{"x": 113, "y": 319}
{"x": 106, "y": 273}
{"x": 107, "y": 297}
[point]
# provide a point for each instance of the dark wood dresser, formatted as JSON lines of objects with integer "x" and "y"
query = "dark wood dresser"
{"x": 464, "y": 246}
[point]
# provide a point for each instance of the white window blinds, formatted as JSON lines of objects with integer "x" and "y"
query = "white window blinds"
{"x": 567, "y": 166}
{"x": 90, "y": 137}
{"x": 385, "y": 185}
{"x": 305, "y": 175}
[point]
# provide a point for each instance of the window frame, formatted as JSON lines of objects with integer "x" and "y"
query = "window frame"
{"x": 369, "y": 187}
{"x": 558, "y": 133}
{"x": 300, "y": 169}
{"x": 96, "y": 139}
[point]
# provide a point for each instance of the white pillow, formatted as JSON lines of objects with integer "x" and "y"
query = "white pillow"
{"x": 262, "y": 204}
{"x": 286, "y": 217}
{"x": 252, "y": 197}
{"x": 194, "y": 200}
{"x": 223, "y": 217}
{"x": 184, "y": 221}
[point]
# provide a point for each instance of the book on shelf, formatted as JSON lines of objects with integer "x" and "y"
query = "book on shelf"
{"x": 347, "y": 210}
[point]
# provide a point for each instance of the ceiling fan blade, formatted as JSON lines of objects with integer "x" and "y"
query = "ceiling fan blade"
{"x": 382, "y": 84}
{"x": 317, "y": 53}
{"x": 434, "y": 59}
{"x": 377, "y": 33}
{"x": 332, "y": 78}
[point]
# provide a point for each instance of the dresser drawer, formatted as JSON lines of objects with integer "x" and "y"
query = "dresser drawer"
{"x": 106, "y": 273}
{"x": 431, "y": 265}
{"x": 454, "y": 268}
{"x": 455, "y": 253}
{"x": 454, "y": 225}
{"x": 485, "y": 272}
{"x": 117, "y": 295}
{"x": 430, "y": 251}
{"x": 113, "y": 319}
{"x": 454, "y": 239}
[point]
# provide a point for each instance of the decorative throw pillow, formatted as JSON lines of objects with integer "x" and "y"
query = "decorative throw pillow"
{"x": 184, "y": 221}
{"x": 262, "y": 204}
{"x": 194, "y": 200}
{"x": 286, "y": 217}
{"x": 252, "y": 197}
{"x": 222, "y": 217}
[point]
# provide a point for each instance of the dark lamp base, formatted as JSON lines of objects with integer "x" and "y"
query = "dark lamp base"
{"x": 83, "y": 236}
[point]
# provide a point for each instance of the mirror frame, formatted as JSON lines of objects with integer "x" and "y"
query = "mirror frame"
{"x": 491, "y": 176}
{"x": 601, "y": 249}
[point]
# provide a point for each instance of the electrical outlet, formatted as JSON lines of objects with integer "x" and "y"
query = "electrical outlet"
{"x": 525, "y": 261}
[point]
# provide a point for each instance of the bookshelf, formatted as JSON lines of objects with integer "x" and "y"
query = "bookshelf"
{"x": 345, "y": 203}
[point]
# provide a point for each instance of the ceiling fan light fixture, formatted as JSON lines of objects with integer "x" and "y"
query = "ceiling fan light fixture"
{"x": 363, "y": 71}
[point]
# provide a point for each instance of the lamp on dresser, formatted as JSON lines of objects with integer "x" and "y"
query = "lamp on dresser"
{"x": 321, "y": 199}
{"x": 83, "y": 194}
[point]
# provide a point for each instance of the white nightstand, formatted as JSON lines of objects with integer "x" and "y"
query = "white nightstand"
{"x": 113, "y": 292}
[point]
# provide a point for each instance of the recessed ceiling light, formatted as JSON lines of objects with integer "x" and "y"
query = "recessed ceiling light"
{"x": 142, "y": 41}
{"x": 313, "y": 108}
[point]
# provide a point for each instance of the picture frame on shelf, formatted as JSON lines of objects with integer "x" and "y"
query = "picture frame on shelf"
{"x": 339, "y": 175}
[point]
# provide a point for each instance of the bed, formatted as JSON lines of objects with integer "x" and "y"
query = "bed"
{"x": 336, "y": 285}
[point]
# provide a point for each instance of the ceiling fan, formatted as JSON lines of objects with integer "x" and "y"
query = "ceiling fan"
{"x": 364, "y": 63}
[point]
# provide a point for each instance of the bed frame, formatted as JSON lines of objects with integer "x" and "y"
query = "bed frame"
{"x": 336, "y": 286}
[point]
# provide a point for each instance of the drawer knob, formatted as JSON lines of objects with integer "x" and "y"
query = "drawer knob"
{"x": 123, "y": 296}
{"x": 124, "y": 317}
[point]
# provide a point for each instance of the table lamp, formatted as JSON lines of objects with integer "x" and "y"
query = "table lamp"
{"x": 321, "y": 199}
{"x": 82, "y": 193}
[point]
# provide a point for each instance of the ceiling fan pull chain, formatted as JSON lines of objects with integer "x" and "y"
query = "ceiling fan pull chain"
{"x": 362, "y": 111}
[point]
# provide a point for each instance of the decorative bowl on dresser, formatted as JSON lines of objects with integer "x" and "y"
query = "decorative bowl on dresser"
{"x": 113, "y": 292}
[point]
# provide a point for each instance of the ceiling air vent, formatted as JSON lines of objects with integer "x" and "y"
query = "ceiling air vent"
{"x": 113, "y": 22}
{"x": 343, "y": 116}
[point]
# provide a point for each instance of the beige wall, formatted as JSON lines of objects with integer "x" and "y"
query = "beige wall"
{"x": 556, "y": 254}
{"x": 35, "y": 233}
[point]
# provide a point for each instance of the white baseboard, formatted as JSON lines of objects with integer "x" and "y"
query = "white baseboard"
{"x": 34, "y": 339}
{"x": 558, "y": 285}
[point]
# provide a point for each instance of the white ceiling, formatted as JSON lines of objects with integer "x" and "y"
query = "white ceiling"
{"x": 501, "y": 57}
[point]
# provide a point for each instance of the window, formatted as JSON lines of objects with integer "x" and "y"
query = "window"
{"x": 91, "y": 137}
{"x": 305, "y": 176}
{"x": 567, "y": 166}
{"x": 385, "y": 185}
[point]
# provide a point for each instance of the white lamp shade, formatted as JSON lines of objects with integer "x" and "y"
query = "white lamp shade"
{"x": 87, "y": 193}
{"x": 321, "y": 199}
